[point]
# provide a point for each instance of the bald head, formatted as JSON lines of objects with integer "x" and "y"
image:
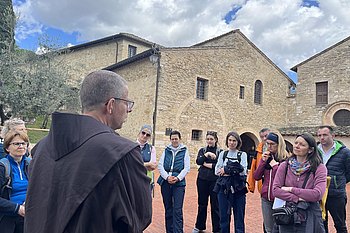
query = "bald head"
{"x": 98, "y": 87}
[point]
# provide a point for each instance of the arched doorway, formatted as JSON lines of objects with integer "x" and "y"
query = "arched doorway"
{"x": 249, "y": 142}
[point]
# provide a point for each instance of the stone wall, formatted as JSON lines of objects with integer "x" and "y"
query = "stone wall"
{"x": 94, "y": 57}
{"x": 226, "y": 69}
{"x": 331, "y": 66}
{"x": 141, "y": 77}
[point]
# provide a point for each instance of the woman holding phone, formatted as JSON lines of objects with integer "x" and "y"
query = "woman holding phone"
{"x": 266, "y": 171}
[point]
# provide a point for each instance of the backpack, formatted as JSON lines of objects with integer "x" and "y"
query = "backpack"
{"x": 217, "y": 152}
{"x": 231, "y": 184}
{"x": 239, "y": 156}
{"x": 6, "y": 163}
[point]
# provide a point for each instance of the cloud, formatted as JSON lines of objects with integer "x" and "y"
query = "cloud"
{"x": 26, "y": 24}
{"x": 286, "y": 31}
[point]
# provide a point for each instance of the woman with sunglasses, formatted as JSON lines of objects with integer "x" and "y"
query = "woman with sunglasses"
{"x": 266, "y": 171}
{"x": 206, "y": 159}
{"x": 13, "y": 182}
{"x": 148, "y": 151}
{"x": 301, "y": 180}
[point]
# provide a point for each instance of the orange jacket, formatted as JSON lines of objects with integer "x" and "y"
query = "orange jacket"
{"x": 254, "y": 166}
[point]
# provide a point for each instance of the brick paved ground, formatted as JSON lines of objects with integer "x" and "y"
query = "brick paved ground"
{"x": 253, "y": 210}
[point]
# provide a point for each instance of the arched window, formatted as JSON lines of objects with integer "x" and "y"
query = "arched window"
{"x": 342, "y": 117}
{"x": 258, "y": 92}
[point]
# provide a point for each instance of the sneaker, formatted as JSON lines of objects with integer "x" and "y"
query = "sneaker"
{"x": 195, "y": 230}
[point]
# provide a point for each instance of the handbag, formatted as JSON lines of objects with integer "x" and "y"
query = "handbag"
{"x": 287, "y": 214}
{"x": 284, "y": 215}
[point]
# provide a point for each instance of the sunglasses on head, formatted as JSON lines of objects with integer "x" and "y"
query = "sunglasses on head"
{"x": 147, "y": 134}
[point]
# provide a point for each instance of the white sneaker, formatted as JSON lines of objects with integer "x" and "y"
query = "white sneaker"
{"x": 195, "y": 230}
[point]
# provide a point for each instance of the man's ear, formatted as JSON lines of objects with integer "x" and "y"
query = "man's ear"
{"x": 110, "y": 105}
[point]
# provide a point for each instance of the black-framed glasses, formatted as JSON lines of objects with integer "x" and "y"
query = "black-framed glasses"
{"x": 271, "y": 144}
{"x": 144, "y": 133}
{"x": 18, "y": 144}
{"x": 129, "y": 103}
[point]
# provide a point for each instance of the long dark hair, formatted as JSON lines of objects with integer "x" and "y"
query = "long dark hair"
{"x": 314, "y": 158}
{"x": 214, "y": 135}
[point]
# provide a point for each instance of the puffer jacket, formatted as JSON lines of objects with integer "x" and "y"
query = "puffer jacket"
{"x": 338, "y": 167}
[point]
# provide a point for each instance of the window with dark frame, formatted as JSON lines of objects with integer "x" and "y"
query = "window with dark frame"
{"x": 131, "y": 51}
{"x": 321, "y": 93}
{"x": 342, "y": 117}
{"x": 258, "y": 92}
{"x": 202, "y": 89}
{"x": 196, "y": 135}
{"x": 168, "y": 131}
{"x": 241, "y": 92}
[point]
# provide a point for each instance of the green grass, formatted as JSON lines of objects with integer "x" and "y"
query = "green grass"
{"x": 37, "y": 134}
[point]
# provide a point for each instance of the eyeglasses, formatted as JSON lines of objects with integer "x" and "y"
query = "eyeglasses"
{"x": 271, "y": 144}
{"x": 18, "y": 144}
{"x": 129, "y": 103}
{"x": 147, "y": 134}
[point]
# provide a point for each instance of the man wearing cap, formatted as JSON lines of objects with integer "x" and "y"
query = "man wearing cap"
{"x": 148, "y": 151}
{"x": 85, "y": 177}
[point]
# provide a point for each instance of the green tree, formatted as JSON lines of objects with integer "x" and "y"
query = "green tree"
{"x": 7, "y": 26}
{"x": 32, "y": 84}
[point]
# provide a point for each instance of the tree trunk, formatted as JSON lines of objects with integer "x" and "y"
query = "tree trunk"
{"x": 45, "y": 121}
{"x": 2, "y": 114}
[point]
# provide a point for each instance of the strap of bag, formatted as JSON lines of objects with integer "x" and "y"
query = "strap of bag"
{"x": 224, "y": 156}
{"x": 239, "y": 156}
{"x": 306, "y": 178}
{"x": 6, "y": 163}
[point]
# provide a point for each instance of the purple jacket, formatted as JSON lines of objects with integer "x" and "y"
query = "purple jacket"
{"x": 269, "y": 176}
{"x": 314, "y": 188}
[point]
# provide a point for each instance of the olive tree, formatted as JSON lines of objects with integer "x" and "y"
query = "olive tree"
{"x": 33, "y": 84}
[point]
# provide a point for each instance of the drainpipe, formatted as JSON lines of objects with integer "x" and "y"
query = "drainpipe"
{"x": 157, "y": 54}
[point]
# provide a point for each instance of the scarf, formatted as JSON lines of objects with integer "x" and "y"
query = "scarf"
{"x": 299, "y": 168}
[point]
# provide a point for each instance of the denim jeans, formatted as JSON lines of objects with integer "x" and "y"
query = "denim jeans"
{"x": 173, "y": 200}
{"x": 237, "y": 202}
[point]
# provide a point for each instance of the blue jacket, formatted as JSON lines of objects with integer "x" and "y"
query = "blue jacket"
{"x": 8, "y": 207}
{"x": 338, "y": 167}
{"x": 2, "y": 152}
{"x": 146, "y": 152}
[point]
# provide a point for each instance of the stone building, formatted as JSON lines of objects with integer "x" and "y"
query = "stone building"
{"x": 323, "y": 92}
{"x": 85, "y": 58}
{"x": 222, "y": 84}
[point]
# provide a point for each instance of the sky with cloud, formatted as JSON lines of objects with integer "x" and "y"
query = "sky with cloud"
{"x": 287, "y": 31}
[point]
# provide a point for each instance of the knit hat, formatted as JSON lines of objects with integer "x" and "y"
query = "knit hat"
{"x": 147, "y": 129}
{"x": 272, "y": 137}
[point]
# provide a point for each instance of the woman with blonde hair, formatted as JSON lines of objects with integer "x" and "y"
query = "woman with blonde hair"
{"x": 266, "y": 171}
